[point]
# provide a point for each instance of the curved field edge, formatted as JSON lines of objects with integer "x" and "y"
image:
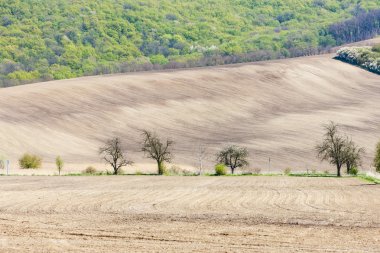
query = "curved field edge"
{"x": 274, "y": 108}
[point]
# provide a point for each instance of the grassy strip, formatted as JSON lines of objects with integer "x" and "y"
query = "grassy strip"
{"x": 369, "y": 179}
{"x": 242, "y": 175}
{"x": 311, "y": 175}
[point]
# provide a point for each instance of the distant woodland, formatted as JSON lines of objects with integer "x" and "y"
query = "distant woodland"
{"x": 57, "y": 39}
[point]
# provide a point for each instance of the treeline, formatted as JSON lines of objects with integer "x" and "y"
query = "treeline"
{"x": 336, "y": 148}
{"x": 213, "y": 59}
{"x": 364, "y": 26}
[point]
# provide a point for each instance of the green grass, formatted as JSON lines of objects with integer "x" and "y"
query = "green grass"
{"x": 369, "y": 179}
{"x": 311, "y": 175}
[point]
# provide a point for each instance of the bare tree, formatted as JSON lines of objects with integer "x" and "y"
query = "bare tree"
{"x": 113, "y": 153}
{"x": 353, "y": 155}
{"x": 233, "y": 157}
{"x": 155, "y": 149}
{"x": 333, "y": 147}
{"x": 201, "y": 153}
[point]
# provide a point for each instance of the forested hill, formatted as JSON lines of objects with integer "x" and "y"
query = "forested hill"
{"x": 58, "y": 39}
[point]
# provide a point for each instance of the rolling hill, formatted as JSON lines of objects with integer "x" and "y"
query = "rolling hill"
{"x": 275, "y": 108}
{"x": 60, "y": 39}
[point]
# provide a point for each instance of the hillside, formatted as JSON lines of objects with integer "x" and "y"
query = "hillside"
{"x": 275, "y": 108}
{"x": 55, "y": 39}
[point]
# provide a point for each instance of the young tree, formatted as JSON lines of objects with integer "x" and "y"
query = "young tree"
{"x": 155, "y": 149}
{"x": 114, "y": 154}
{"x": 201, "y": 156}
{"x": 233, "y": 157}
{"x": 376, "y": 161}
{"x": 353, "y": 155}
{"x": 333, "y": 147}
{"x": 59, "y": 163}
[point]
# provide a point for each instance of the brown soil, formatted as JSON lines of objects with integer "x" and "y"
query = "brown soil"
{"x": 274, "y": 108}
{"x": 188, "y": 214}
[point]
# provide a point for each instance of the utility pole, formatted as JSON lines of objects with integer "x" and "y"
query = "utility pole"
{"x": 269, "y": 164}
{"x": 7, "y": 164}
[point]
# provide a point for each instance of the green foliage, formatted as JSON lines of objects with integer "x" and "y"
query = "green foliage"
{"x": 60, "y": 39}
{"x": 311, "y": 175}
{"x": 178, "y": 171}
{"x": 370, "y": 179}
{"x": 220, "y": 169}
{"x": 59, "y": 163}
{"x": 354, "y": 171}
{"x": 365, "y": 57}
{"x": 376, "y": 161}
{"x": 158, "y": 59}
{"x": 24, "y": 75}
{"x": 28, "y": 161}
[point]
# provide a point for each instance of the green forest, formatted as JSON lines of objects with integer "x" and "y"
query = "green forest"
{"x": 59, "y": 39}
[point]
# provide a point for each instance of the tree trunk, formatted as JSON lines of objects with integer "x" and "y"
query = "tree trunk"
{"x": 348, "y": 168}
{"x": 338, "y": 169}
{"x": 161, "y": 168}
{"x": 232, "y": 170}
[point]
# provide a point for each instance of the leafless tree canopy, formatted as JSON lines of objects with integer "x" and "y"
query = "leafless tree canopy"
{"x": 337, "y": 149}
{"x": 155, "y": 149}
{"x": 112, "y": 153}
{"x": 201, "y": 154}
{"x": 332, "y": 148}
{"x": 233, "y": 157}
{"x": 353, "y": 155}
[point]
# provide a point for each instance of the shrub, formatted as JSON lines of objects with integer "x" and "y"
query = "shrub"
{"x": 326, "y": 172}
{"x": 287, "y": 171}
{"x": 314, "y": 171}
{"x": 28, "y": 161}
{"x": 220, "y": 169}
{"x": 354, "y": 171}
{"x": 177, "y": 171}
{"x": 364, "y": 57}
{"x": 173, "y": 171}
{"x": 90, "y": 170}
{"x": 256, "y": 171}
{"x": 189, "y": 173}
{"x": 376, "y": 161}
